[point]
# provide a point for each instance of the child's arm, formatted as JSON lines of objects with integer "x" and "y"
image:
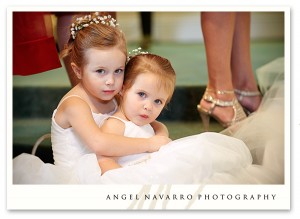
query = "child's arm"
{"x": 107, "y": 163}
{"x": 76, "y": 113}
{"x": 160, "y": 128}
{"x": 111, "y": 126}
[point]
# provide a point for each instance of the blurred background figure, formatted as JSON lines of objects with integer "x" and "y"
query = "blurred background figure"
{"x": 34, "y": 46}
{"x": 146, "y": 24}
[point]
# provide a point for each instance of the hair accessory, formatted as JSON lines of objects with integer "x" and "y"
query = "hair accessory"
{"x": 82, "y": 22}
{"x": 135, "y": 52}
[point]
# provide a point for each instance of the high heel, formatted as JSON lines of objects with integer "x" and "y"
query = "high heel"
{"x": 240, "y": 96}
{"x": 204, "y": 117}
{"x": 205, "y": 114}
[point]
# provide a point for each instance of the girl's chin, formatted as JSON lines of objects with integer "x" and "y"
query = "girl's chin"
{"x": 105, "y": 100}
{"x": 141, "y": 123}
{"x": 107, "y": 97}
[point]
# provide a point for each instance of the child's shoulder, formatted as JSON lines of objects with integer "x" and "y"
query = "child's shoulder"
{"x": 73, "y": 105}
{"x": 72, "y": 99}
{"x": 71, "y": 108}
{"x": 73, "y": 95}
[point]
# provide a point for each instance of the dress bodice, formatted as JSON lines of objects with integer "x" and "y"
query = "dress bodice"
{"x": 134, "y": 131}
{"x": 66, "y": 145}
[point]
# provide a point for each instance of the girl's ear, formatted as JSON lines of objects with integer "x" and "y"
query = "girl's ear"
{"x": 76, "y": 70}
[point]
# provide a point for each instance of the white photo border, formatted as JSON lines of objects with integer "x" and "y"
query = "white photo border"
{"x": 98, "y": 197}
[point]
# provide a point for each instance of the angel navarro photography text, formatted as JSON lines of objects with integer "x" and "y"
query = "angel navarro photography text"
{"x": 208, "y": 197}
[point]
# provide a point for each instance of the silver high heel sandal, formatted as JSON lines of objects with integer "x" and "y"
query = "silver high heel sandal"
{"x": 205, "y": 114}
{"x": 241, "y": 94}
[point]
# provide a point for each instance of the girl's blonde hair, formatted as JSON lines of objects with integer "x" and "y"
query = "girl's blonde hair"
{"x": 154, "y": 64}
{"x": 95, "y": 35}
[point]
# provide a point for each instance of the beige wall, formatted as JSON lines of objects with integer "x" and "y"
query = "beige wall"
{"x": 185, "y": 26}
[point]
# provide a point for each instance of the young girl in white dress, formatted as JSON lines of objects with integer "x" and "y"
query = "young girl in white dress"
{"x": 148, "y": 87}
{"x": 207, "y": 158}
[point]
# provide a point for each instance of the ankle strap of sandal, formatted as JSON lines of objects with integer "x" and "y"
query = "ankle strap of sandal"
{"x": 247, "y": 93}
{"x": 218, "y": 102}
{"x": 219, "y": 91}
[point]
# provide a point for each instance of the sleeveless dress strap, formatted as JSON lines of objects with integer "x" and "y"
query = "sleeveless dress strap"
{"x": 74, "y": 95}
{"x": 115, "y": 117}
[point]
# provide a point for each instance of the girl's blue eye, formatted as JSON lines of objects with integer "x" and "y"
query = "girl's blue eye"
{"x": 119, "y": 71}
{"x": 159, "y": 102}
{"x": 100, "y": 71}
{"x": 142, "y": 94}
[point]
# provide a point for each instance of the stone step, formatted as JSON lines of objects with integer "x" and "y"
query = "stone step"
{"x": 39, "y": 102}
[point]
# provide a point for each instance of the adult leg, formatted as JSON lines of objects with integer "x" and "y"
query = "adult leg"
{"x": 218, "y": 30}
{"x": 243, "y": 77}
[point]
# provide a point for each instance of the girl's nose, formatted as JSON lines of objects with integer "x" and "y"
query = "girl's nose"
{"x": 148, "y": 106}
{"x": 110, "y": 80}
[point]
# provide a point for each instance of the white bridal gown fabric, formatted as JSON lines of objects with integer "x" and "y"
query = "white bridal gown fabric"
{"x": 251, "y": 152}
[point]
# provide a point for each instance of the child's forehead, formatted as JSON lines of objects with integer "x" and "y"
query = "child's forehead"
{"x": 149, "y": 81}
{"x": 104, "y": 55}
{"x": 147, "y": 78}
{"x": 104, "y": 52}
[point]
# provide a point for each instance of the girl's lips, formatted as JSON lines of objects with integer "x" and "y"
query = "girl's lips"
{"x": 145, "y": 116}
{"x": 108, "y": 91}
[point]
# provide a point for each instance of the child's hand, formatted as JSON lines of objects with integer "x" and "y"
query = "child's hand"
{"x": 157, "y": 141}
